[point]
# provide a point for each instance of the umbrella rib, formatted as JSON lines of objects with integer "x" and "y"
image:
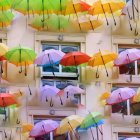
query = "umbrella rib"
{"x": 112, "y": 14}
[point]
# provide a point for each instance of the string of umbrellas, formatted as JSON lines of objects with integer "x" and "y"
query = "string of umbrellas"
{"x": 64, "y": 15}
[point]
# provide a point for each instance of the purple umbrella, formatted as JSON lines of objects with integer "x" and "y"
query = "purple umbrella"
{"x": 120, "y": 95}
{"x": 48, "y": 58}
{"x": 127, "y": 56}
{"x": 73, "y": 90}
{"x": 43, "y": 127}
{"x": 133, "y": 138}
{"x": 48, "y": 91}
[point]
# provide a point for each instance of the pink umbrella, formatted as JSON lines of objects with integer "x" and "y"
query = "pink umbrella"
{"x": 133, "y": 138}
{"x": 120, "y": 95}
{"x": 48, "y": 91}
{"x": 70, "y": 90}
{"x": 127, "y": 56}
{"x": 43, "y": 127}
{"x": 49, "y": 58}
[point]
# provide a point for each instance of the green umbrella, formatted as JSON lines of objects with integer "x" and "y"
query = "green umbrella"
{"x": 20, "y": 54}
{"x": 91, "y": 119}
{"x": 5, "y": 18}
{"x": 5, "y": 5}
{"x": 52, "y": 21}
{"x": 27, "y": 7}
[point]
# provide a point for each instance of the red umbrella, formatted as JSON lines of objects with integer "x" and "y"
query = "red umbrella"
{"x": 116, "y": 108}
{"x": 2, "y": 58}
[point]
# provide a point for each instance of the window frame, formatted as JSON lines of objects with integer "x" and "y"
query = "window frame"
{"x": 60, "y": 73}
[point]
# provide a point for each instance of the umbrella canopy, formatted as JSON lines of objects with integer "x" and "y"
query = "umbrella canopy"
{"x": 49, "y": 57}
{"x": 43, "y": 127}
{"x": 127, "y": 56}
{"x": 91, "y": 119}
{"x": 52, "y": 21}
{"x": 6, "y": 18}
{"x": 42, "y": 7}
{"x": 5, "y": 5}
{"x": 7, "y": 99}
{"x": 116, "y": 108}
{"x": 27, "y": 63}
{"x": 74, "y": 59}
{"x": 26, "y": 127}
{"x": 101, "y": 122}
{"x": 106, "y": 6}
{"x": 136, "y": 97}
{"x": 3, "y": 49}
{"x": 120, "y": 95}
{"x": 70, "y": 90}
{"x": 48, "y": 92}
{"x": 69, "y": 123}
{"x": 102, "y": 58}
{"x": 104, "y": 96}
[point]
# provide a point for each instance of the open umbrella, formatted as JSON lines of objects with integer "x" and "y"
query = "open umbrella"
{"x": 68, "y": 124}
{"x": 20, "y": 55}
{"x": 5, "y": 5}
{"x": 102, "y": 58}
{"x": 48, "y": 58}
{"x": 43, "y": 127}
{"x": 91, "y": 119}
{"x": 136, "y": 97}
{"x": 49, "y": 92}
{"x": 120, "y": 95}
{"x": 74, "y": 59}
{"x": 70, "y": 90}
{"x": 26, "y": 127}
{"x": 6, "y": 18}
{"x": 104, "y": 96}
{"x": 106, "y": 6}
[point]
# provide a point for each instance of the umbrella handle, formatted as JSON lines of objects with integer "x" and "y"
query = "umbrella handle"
{"x": 25, "y": 70}
{"x": 105, "y": 15}
{"x": 67, "y": 94}
{"x": 51, "y": 103}
{"x": 5, "y": 134}
{"x": 29, "y": 90}
{"x": 46, "y": 99}
{"x": 20, "y": 71}
{"x": 61, "y": 101}
{"x": 97, "y": 75}
{"x": 18, "y": 122}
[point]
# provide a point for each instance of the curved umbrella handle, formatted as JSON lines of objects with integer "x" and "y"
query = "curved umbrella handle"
{"x": 61, "y": 100}
{"x": 51, "y": 103}
{"x": 5, "y": 134}
{"x": 20, "y": 71}
{"x": 18, "y": 122}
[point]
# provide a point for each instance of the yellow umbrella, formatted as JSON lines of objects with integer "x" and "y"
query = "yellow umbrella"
{"x": 69, "y": 123}
{"x": 3, "y": 49}
{"x": 26, "y": 127}
{"x": 27, "y": 63}
{"x": 18, "y": 94}
{"x": 108, "y": 65}
{"x": 136, "y": 97}
{"x": 106, "y": 6}
{"x": 104, "y": 96}
{"x": 102, "y": 58}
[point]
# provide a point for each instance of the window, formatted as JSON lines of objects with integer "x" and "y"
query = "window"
{"x": 126, "y": 107}
{"x": 132, "y": 68}
{"x": 60, "y": 71}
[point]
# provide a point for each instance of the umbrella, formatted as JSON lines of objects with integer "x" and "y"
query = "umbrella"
{"x": 91, "y": 119}
{"x": 6, "y": 18}
{"x": 48, "y": 58}
{"x": 26, "y": 127}
{"x": 20, "y": 54}
{"x": 104, "y": 96}
{"x": 102, "y": 58}
{"x": 116, "y": 108}
{"x": 120, "y": 95}
{"x": 74, "y": 59}
{"x": 49, "y": 91}
{"x": 134, "y": 138}
{"x": 68, "y": 124}
{"x": 43, "y": 127}
{"x": 106, "y": 6}
{"x": 136, "y": 97}
{"x": 51, "y": 21}
{"x": 70, "y": 90}
{"x": 42, "y": 7}
{"x": 5, "y": 5}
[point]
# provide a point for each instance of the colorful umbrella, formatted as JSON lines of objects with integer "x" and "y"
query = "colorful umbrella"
{"x": 91, "y": 119}
{"x": 43, "y": 127}
{"x": 136, "y": 97}
{"x": 68, "y": 124}
{"x": 49, "y": 91}
{"x": 106, "y": 6}
{"x": 3, "y": 48}
{"x": 52, "y": 21}
{"x": 116, "y": 108}
{"x": 120, "y": 95}
{"x": 5, "y": 5}
{"x": 70, "y": 90}
{"x": 20, "y": 54}
{"x": 102, "y": 58}
{"x": 74, "y": 59}
{"x": 42, "y": 7}
{"x": 104, "y": 96}
{"x": 26, "y": 127}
